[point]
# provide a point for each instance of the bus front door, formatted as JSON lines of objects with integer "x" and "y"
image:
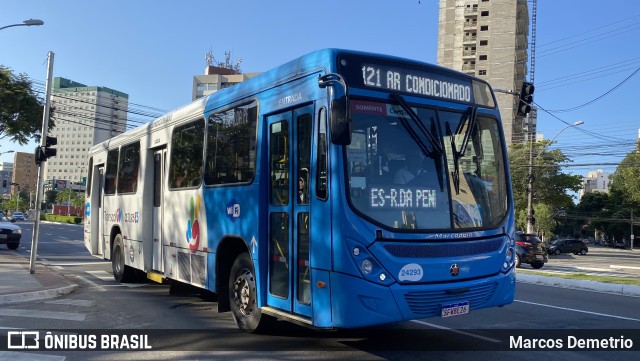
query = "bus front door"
{"x": 289, "y": 286}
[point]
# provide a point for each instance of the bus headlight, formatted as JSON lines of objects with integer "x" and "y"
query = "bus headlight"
{"x": 509, "y": 257}
{"x": 366, "y": 266}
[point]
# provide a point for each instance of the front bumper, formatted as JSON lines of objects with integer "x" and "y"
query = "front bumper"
{"x": 358, "y": 303}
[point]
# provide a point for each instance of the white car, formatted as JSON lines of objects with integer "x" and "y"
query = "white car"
{"x": 10, "y": 233}
{"x": 19, "y": 216}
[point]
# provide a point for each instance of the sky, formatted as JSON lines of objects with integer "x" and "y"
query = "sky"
{"x": 587, "y": 64}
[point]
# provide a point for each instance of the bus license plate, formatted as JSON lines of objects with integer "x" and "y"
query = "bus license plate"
{"x": 455, "y": 309}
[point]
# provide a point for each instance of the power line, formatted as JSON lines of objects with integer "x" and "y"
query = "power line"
{"x": 597, "y": 98}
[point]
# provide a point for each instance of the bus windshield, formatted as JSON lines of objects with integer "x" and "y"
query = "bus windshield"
{"x": 445, "y": 170}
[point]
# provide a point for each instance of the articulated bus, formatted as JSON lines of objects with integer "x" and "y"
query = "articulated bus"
{"x": 342, "y": 189}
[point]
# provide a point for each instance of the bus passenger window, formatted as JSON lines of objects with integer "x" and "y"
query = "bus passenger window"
{"x": 111, "y": 172}
{"x": 231, "y": 145}
{"x": 187, "y": 146}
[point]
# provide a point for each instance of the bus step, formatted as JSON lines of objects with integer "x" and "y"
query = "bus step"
{"x": 155, "y": 276}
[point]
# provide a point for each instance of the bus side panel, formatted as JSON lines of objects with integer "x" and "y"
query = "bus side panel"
{"x": 185, "y": 238}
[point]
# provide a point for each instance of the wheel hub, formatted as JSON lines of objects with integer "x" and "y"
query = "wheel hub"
{"x": 242, "y": 293}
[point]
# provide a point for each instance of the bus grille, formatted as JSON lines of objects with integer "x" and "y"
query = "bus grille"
{"x": 429, "y": 303}
{"x": 452, "y": 249}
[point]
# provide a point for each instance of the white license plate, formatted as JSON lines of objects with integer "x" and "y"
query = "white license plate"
{"x": 455, "y": 309}
{"x": 3, "y": 236}
{"x": 539, "y": 256}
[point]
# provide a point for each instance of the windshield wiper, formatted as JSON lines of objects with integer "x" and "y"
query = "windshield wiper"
{"x": 471, "y": 119}
{"x": 470, "y": 123}
{"x": 435, "y": 145}
{"x": 456, "y": 159}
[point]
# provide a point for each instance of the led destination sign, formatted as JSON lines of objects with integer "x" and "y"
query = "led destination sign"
{"x": 416, "y": 82}
{"x": 390, "y": 198}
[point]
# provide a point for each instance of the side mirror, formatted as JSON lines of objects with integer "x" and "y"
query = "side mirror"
{"x": 339, "y": 114}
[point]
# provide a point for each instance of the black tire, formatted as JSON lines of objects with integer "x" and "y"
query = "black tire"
{"x": 517, "y": 261}
{"x": 537, "y": 265}
{"x": 13, "y": 245}
{"x": 121, "y": 272}
{"x": 583, "y": 251}
{"x": 557, "y": 252}
{"x": 243, "y": 296}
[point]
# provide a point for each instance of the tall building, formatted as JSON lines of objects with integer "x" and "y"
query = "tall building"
{"x": 218, "y": 77}
{"x": 489, "y": 39}
{"x": 84, "y": 115}
{"x": 597, "y": 180}
{"x": 6, "y": 174}
{"x": 25, "y": 172}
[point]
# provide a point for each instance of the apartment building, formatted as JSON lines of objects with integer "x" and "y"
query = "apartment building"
{"x": 489, "y": 39}
{"x": 597, "y": 180}
{"x": 84, "y": 115}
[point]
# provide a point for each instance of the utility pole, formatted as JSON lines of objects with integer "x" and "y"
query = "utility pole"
{"x": 530, "y": 219}
{"x": 43, "y": 143}
{"x": 632, "y": 235}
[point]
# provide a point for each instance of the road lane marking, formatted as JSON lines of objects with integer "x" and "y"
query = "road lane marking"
{"x": 489, "y": 339}
{"x": 579, "y": 311}
{"x": 623, "y": 267}
{"x": 95, "y": 263}
{"x": 15, "y": 312}
{"x": 103, "y": 275}
{"x": 85, "y": 303}
{"x": 94, "y": 285}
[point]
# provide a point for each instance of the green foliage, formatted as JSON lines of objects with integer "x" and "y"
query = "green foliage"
{"x": 61, "y": 219}
{"x": 626, "y": 179}
{"x": 551, "y": 185}
{"x": 21, "y": 110}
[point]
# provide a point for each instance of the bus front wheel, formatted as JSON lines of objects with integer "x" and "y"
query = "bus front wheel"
{"x": 243, "y": 295}
{"x": 121, "y": 272}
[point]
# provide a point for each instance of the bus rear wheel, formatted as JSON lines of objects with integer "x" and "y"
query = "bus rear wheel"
{"x": 121, "y": 272}
{"x": 243, "y": 296}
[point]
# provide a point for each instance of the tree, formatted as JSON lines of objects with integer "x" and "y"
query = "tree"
{"x": 21, "y": 110}
{"x": 626, "y": 178}
{"x": 551, "y": 185}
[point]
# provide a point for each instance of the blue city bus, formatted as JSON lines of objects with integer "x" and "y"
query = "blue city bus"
{"x": 342, "y": 189}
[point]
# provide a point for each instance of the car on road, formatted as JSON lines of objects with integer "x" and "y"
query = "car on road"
{"x": 568, "y": 245}
{"x": 530, "y": 249}
{"x": 19, "y": 216}
{"x": 10, "y": 233}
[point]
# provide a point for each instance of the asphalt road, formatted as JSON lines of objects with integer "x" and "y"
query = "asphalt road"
{"x": 186, "y": 326}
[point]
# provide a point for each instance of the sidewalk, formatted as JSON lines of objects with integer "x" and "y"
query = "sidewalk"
{"x": 18, "y": 285}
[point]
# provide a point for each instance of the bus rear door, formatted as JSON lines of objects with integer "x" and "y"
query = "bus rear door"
{"x": 289, "y": 287}
{"x": 158, "y": 170}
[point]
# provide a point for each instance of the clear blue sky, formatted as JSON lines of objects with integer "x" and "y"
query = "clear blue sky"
{"x": 152, "y": 49}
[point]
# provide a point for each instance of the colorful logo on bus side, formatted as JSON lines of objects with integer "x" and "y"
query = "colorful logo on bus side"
{"x": 87, "y": 209}
{"x": 193, "y": 226}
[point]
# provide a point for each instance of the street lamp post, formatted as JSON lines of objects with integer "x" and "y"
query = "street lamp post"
{"x": 531, "y": 178}
{"x": 9, "y": 151}
{"x": 30, "y": 22}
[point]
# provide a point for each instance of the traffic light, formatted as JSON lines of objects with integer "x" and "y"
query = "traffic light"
{"x": 526, "y": 98}
{"x": 42, "y": 153}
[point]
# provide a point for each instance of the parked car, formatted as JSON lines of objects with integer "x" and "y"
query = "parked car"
{"x": 529, "y": 249}
{"x": 19, "y": 216}
{"x": 568, "y": 245}
{"x": 10, "y": 233}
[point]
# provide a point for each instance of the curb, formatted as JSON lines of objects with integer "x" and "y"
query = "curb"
{"x": 37, "y": 295}
{"x": 615, "y": 288}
